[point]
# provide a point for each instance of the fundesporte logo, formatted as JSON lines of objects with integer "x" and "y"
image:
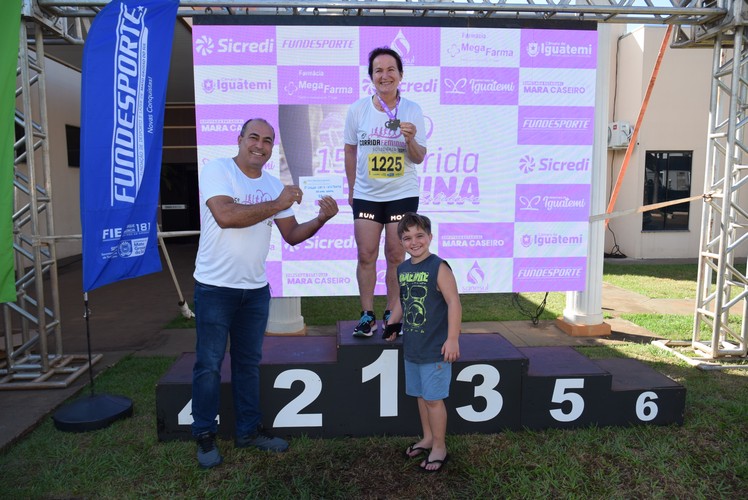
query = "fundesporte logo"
{"x": 204, "y": 45}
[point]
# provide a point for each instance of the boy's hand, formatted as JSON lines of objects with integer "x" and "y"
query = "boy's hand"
{"x": 451, "y": 350}
{"x": 390, "y": 331}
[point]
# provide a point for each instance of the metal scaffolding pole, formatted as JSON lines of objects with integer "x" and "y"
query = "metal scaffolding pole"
{"x": 36, "y": 359}
{"x": 724, "y": 220}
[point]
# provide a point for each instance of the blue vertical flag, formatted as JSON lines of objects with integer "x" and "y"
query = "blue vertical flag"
{"x": 125, "y": 71}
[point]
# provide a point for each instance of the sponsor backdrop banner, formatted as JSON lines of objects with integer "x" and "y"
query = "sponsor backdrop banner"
{"x": 125, "y": 70}
{"x": 10, "y": 25}
{"x": 509, "y": 118}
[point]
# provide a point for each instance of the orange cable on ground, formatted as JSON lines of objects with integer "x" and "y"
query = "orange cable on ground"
{"x": 635, "y": 133}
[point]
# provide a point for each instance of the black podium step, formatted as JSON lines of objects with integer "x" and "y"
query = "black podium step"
{"x": 291, "y": 367}
{"x": 344, "y": 386}
{"x": 562, "y": 388}
{"x": 641, "y": 395}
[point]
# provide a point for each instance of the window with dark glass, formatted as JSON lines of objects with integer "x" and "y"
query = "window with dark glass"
{"x": 667, "y": 177}
{"x": 73, "y": 139}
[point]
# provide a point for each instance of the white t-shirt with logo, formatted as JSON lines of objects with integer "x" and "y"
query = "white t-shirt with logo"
{"x": 365, "y": 129}
{"x": 234, "y": 257}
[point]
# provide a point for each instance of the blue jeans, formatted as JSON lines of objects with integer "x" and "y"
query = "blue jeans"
{"x": 243, "y": 315}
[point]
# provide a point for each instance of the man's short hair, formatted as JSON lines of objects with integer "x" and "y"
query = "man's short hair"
{"x": 388, "y": 51}
{"x": 411, "y": 219}
{"x": 244, "y": 127}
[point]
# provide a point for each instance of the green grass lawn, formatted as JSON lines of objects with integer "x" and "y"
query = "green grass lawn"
{"x": 704, "y": 458}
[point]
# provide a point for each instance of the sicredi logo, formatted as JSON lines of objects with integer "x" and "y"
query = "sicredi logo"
{"x": 205, "y": 46}
{"x": 429, "y": 86}
{"x": 527, "y": 164}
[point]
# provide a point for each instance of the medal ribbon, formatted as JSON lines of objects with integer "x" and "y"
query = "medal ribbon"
{"x": 393, "y": 116}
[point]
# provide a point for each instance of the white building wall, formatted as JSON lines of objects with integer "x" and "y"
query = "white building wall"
{"x": 63, "y": 107}
{"x": 63, "y": 100}
{"x": 675, "y": 119}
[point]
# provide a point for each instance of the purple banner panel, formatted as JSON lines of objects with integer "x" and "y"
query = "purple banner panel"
{"x": 233, "y": 45}
{"x": 274, "y": 273}
{"x": 380, "y": 288}
{"x": 566, "y": 274}
{"x": 481, "y": 86}
{"x": 558, "y": 49}
{"x": 332, "y": 242}
{"x": 555, "y": 125}
{"x": 416, "y": 46}
{"x": 552, "y": 202}
{"x": 475, "y": 240}
{"x": 317, "y": 85}
{"x": 221, "y": 124}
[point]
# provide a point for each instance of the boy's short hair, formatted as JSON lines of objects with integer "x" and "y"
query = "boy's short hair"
{"x": 411, "y": 219}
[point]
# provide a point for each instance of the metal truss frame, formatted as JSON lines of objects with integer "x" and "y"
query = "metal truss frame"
{"x": 706, "y": 23}
{"x": 722, "y": 287}
{"x": 36, "y": 360}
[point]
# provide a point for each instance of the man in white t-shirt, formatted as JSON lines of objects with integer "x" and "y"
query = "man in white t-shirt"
{"x": 238, "y": 204}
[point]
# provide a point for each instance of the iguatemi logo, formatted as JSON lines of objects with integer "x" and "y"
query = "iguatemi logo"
{"x": 235, "y": 84}
{"x": 551, "y": 239}
{"x": 557, "y": 49}
{"x": 455, "y": 87}
{"x": 204, "y": 45}
{"x": 531, "y": 204}
{"x": 208, "y": 86}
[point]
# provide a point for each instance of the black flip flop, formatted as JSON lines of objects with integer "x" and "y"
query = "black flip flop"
{"x": 413, "y": 448}
{"x": 441, "y": 463}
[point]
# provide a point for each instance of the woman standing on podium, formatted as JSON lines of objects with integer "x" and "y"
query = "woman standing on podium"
{"x": 384, "y": 141}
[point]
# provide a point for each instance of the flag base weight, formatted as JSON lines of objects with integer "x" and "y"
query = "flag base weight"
{"x": 92, "y": 413}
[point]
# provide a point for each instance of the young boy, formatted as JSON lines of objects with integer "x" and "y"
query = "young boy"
{"x": 430, "y": 315}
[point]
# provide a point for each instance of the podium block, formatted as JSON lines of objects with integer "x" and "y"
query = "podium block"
{"x": 641, "y": 395}
{"x": 325, "y": 386}
{"x": 562, "y": 389}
